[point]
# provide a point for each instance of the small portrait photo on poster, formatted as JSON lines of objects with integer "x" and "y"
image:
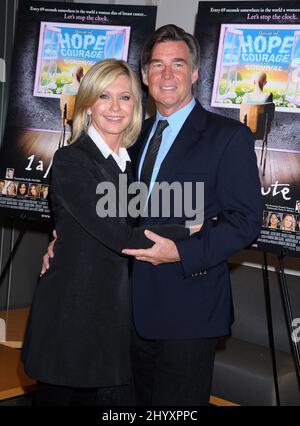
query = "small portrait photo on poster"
{"x": 22, "y": 189}
{"x": 34, "y": 190}
{"x": 288, "y": 223}
{"x": 265, "y": 218}
{"x": 2, "y": 184}
{"x": 9, "y": 173}
{"x": 297, "y": 207}
{"x": 297, "y": 223}
{"x": 274, "y": 220}
{"x": 44, "y": 192}
{"x": 10, "y": 188}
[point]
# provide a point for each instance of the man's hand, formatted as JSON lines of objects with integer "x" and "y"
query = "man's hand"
{"x": 195, "y": 228}
{"x": 163, "y": 251}
{"x": 49, "y": 254}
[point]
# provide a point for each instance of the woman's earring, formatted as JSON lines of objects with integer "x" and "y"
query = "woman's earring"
{"x": 88, "y": 120}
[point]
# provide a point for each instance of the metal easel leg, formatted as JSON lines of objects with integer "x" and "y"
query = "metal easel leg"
{"x": 286, "y": 303}
{"x": 270, "y": 326}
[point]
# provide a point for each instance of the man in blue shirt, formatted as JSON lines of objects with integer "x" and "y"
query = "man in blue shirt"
{"x": 181, "y": 291}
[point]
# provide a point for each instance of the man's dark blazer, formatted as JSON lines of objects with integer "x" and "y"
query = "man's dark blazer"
{"x": 192, "y": 298}
{"x": 79, "y": 326}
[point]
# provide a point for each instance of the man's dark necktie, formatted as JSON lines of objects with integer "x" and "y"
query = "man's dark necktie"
{"x": 152, "y": 151}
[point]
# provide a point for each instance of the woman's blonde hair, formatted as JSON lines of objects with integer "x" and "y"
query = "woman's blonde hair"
{"x": 11, "y": 189}
{"x": 93, "y": 84}
{"x": 292, "y": 228}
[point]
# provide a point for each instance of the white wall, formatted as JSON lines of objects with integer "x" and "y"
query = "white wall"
{"x": 179, "y": 12}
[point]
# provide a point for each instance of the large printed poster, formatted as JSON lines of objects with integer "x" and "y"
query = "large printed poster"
{"x": 56, "y": 43}
{"x": 250, "y": 71}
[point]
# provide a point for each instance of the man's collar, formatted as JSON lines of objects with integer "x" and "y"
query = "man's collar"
{"x": 176, "y": 119}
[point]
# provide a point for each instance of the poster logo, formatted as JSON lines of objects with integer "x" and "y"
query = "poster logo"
{"x": 246, "y": 50}
{"x": 63, "y": 48}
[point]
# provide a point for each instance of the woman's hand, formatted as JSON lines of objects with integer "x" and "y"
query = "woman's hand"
{"x": 49, "y": 254}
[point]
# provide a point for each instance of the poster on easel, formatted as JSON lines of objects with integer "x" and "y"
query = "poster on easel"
{"x": 55, "y": 45}
{"x": 250, "y": 71}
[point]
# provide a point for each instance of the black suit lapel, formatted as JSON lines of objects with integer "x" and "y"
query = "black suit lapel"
{"x": 143, "y": 138}
{"x": 129, "y": 172}
{"x": 107, "y": 168}
{"x": 184, "y": 143}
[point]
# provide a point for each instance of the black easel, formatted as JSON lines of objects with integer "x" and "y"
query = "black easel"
{"x": 14, "y": 249}
{"x": 64, "y": 125}
{"x": 270, "y": 326}
{"x": 286, "y": 303}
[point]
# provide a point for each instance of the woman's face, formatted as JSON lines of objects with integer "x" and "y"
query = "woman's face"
{"x": 274, "y": 220}
{"x": 113, "y": 111}
{"x": 11, "y": 189}
{"x": 288, "y": 222}
{"x": 22, "y": 189}
{"x": 45, "y": 191}
{"x": 33, "y": 191}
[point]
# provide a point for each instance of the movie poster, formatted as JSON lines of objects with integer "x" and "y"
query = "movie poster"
{"x": 56, "y": 43}
{"x": 250, "y": 71}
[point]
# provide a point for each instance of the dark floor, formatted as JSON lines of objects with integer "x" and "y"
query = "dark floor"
{"x": 23, "y": 400}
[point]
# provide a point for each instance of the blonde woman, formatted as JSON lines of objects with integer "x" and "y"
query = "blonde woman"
{"x": 288, "y": 223}
{"x": 11, "y": 189}
{"x": 77, "y": 340}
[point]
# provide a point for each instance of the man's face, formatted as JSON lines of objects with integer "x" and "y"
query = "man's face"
{"x": 169, "y": 76}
